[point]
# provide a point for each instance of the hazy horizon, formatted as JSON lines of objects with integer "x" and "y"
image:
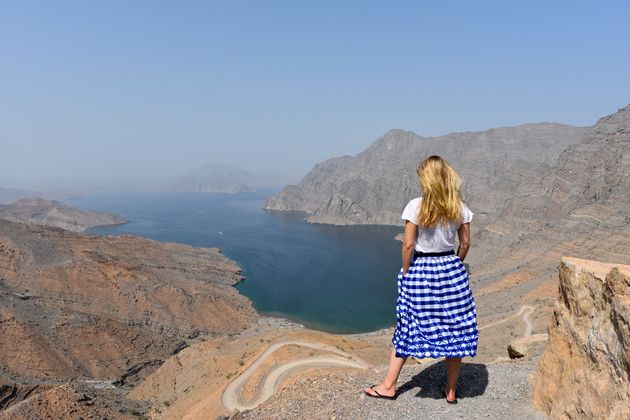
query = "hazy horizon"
{"x": 149, "y": 90}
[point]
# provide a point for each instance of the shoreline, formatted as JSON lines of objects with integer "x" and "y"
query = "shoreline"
{"x": 269, "y": 323}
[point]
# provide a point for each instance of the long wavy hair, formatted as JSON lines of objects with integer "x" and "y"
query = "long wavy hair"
{"x": 441, "y": 200}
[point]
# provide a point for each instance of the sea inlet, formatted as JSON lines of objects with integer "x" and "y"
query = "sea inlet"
{"x": 339, "y": 279}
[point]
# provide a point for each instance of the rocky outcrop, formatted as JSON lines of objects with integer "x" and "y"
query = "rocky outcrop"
{"x": 55, "y": 214}
{"x": 79, "y": 307}
{"x": 74, "y": 401}
{"x": 373, "y": 186}
{"x": 585, "y": 370}
{"x": 526, "y": 346}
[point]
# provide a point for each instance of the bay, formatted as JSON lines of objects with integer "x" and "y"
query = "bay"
{"x": 339, "y": 279}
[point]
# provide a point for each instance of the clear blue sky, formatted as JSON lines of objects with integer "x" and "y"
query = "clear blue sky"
{"x": 147, "y": 88}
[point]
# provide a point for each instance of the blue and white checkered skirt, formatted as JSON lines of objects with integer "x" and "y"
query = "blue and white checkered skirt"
{"x": 435, "y": 310}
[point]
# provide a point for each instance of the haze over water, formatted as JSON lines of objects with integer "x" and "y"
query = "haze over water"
{"x": 331, "y": 278}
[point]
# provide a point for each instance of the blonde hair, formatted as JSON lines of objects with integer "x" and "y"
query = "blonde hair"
{"x": 441, "y": 201}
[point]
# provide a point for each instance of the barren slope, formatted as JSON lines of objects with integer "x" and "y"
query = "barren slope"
{"x": 55, "y": 214}
{"x": 76, "y": 307}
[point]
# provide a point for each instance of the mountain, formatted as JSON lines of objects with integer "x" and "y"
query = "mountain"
{"x": 55, "y": 214}
{"x": 80, "y": 309}
{"x": 592, "y": 178}
{"x": 582, "y": 210}
{"x": 373, "y": 186}
{"x": 220, "y": 178}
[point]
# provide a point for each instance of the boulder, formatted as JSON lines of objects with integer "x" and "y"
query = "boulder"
{"x": 526, "y": 346}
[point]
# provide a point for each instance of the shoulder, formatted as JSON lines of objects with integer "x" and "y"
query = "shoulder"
{"x": 410, "y": 212}
{"x": 467, "y": 215}
{"x": 415, "y": 202}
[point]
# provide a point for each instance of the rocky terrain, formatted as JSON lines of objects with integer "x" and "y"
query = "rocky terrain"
{"x": 55, "y": 214}
{"x": 373, "y": 186}
{"x": 585, "y": 370}
{"x": 498, "y": 390}
{"x": 582, "y": 372}
{"x": 104, "y": 310}
{"x": 276, "y": 369}
{"x": 122, "y": 327}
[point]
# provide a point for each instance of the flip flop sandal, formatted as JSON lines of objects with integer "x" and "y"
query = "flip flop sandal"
{"x": 385, "y": 397}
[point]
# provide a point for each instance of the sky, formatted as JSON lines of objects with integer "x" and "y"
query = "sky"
{"x": 141, "y": 89}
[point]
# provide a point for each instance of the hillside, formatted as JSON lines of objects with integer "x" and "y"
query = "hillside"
{"x": 373, "y": 186}
{"x": 583, "y": 209}
{"x": 105, "y": 309}
{"x": 55, "y": 214}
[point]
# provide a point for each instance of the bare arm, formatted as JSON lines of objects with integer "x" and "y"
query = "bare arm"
{"x": 411, "y": 232}
{"x": 464, "y": 240}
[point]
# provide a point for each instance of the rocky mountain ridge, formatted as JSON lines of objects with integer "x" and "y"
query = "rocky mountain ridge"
{"x": 373, "y": 186}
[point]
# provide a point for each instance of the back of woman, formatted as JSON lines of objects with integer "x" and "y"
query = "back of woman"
{"x": 435, "y": 309}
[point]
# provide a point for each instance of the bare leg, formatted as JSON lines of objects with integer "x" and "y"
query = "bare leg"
{"x": 453, "y": 366}
{"x": 388, "y": 386}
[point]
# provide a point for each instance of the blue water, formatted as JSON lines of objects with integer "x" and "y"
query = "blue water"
{"x": 330, "y": 278}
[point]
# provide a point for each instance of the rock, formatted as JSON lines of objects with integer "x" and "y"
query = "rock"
{"x": 584, "y": 372}
{"x": 526, "y": 346}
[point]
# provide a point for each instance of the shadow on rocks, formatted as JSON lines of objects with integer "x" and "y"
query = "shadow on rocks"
{"x": 472, "y": 382}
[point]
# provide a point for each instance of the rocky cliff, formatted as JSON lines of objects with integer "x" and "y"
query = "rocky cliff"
{"x": 109, "y": 309}
{"x": 55, "y": 214}
{"x": 581, "y": 208}
{"x": 373, "y": 186}
{"x": 585, "y": 370}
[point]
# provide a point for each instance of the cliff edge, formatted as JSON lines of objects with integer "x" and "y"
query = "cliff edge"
{"x": 585, "y": 370}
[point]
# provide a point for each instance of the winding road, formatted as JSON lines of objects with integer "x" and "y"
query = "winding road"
{"x": 526, "y": 311}
{"x": 233, "y": 398}
{"x": 233, "y": 395}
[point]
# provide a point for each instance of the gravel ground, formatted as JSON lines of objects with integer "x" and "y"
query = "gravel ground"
{"x": 495, "y": 391}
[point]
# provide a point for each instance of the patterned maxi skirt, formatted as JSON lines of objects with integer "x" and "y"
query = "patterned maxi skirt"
{"x": 435, "y": 310}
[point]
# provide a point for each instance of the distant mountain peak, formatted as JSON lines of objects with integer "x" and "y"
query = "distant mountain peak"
{"x": 216, "y": 177}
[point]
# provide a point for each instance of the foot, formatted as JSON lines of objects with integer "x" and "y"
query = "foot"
{"x": 379, "y": 390}
{"x": 450, "y": 395}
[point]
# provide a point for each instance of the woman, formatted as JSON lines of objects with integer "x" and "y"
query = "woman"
{"x": 435, "y": 309}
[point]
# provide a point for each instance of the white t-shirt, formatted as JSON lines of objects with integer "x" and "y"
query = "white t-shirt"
{"x": 439, "y": 238}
